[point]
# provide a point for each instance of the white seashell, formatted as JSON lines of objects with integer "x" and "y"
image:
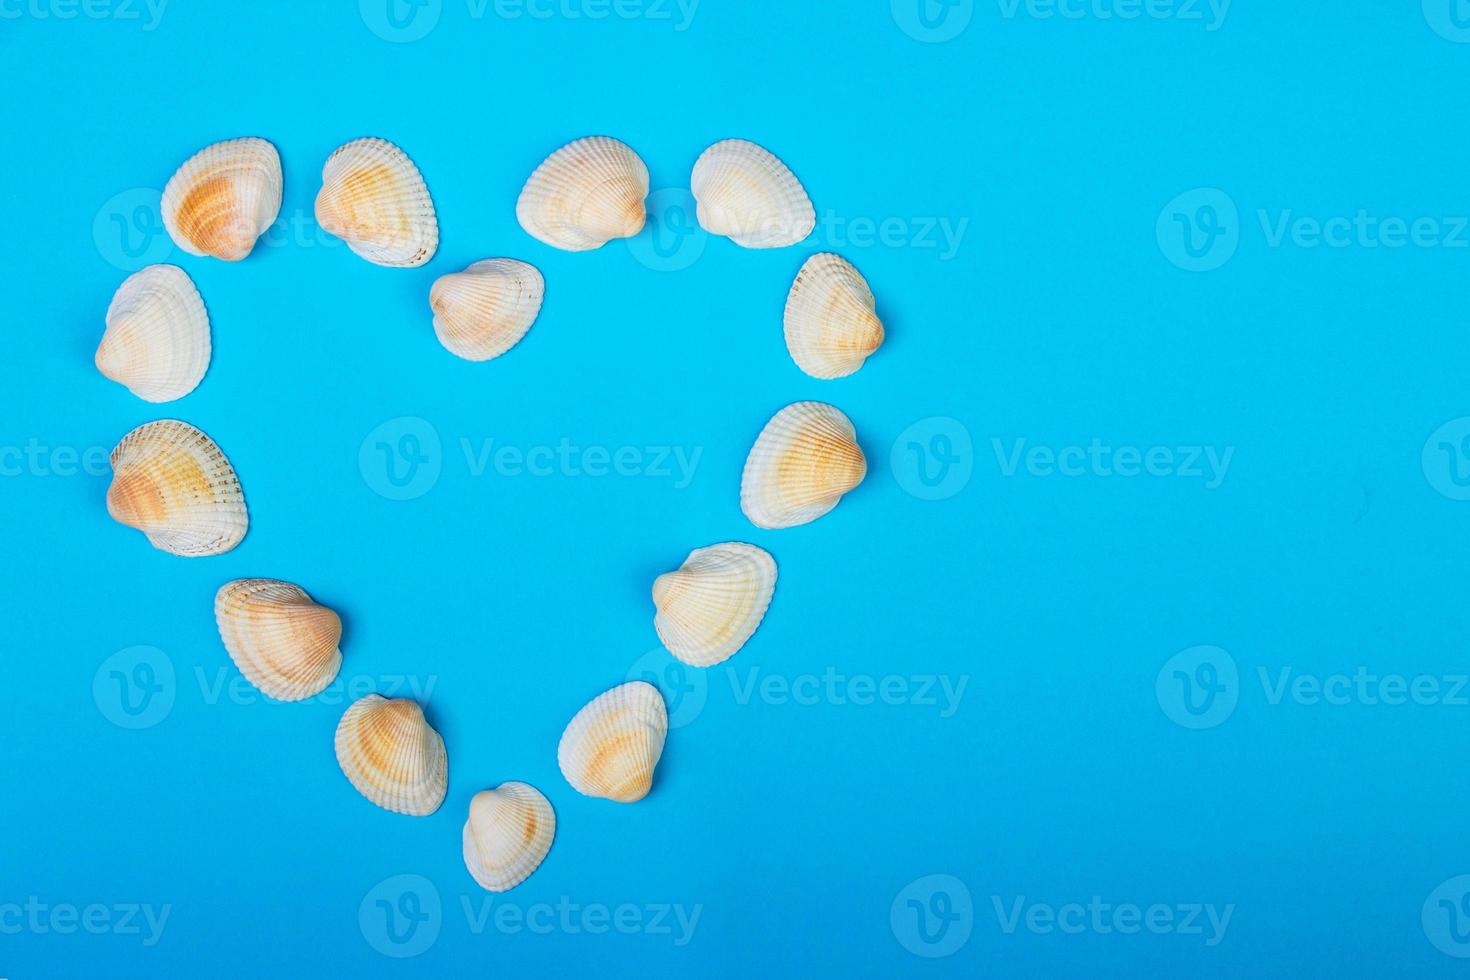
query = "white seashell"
{"x": 831, "y": 320}
{"x": 223, "y": 198}
{"x": 507, "y": 835}
{"x": 585, "y": 194}
{"x": 485, "y": 310}
{"x": 390, "y": 754}
{"x": 746, "y": 193}
{"x": 375, "y": 199}
{"x": 157, "y": 338}
{"x": 173, "y": 483}
{"x": 805, "y": 459}
{"x": 611, "y": 747}
{"x": 714, "y": 602}
{"x": 283, "y": 642}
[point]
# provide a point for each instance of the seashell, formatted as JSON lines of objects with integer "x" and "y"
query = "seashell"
{"x": 611, "y": 747}
{"x": 223, "y": 198}
{"x": 157, "y": 338}
{"x": 507, "y": 835}
{"x": 375, "y": 199}
{"x": 584, "y": 195}
{"x": 714, "y": 602}
{"x": 283, "y": 642}
{"x": 806, "y": 458}
{"x": 485, "y": 310}
{"x": 831, "y": 321}
{"x": 747, "y": 194}
{"x": 390, "y": 754}
{"x": 171, "y": 481}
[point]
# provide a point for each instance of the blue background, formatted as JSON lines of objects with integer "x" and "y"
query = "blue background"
{"x": 1058, "y": 599}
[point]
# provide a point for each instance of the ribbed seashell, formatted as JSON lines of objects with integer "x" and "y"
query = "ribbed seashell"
{"x": 747, "y": 194}
{"x": 375, "y": 199}
{"x": 171, "y": 481}
{"x": 157, "y": 338}
{"x": 832, "y": 322}
{"x": 714, "y": 602}
{"x": 507, "y": 835}
{"x": 585, "y": 194}
{"x": 805, "y": 459}
{"x": 485, "y": 310}
{"x": 390, "y": 754}
{"x": 611, "y": 747}
{"x": 223, "y": 198}
{"x": 283, "y": 642}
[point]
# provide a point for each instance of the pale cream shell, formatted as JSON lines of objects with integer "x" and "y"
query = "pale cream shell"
{"x": 283, "y": 642}
{"x": 224, "y": 198}
{"x": 157, "y": 339}
{"x": 805, "y": 459}
{"x": 173, "y": 483}
{"x": 712, "y": 605}
{"x": 507, "y": 835}
{"x": 485, "y": 310}
{"x": 585, "y": 194}
{"x": 746, "y": 193}
{"x": 610, "y": 749}
{"x": 375, "y": 199}
{"x": 832, "y": 323}
{"x": 391, "y": 756}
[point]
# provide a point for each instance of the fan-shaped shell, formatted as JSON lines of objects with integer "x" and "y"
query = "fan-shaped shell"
{"x": 585, "y": 194}
{"x": 832, "y": 323}
{"x": 390, "y": 754}
{"x": 805, "y": 459}
{"x": 485, "y": 310}
{"x": 283, "y": 642}
{"x": 714, "y": 602}
{"x": 157, "y": 338}
{"x": 508, "y": 835}
{"x": 223, "y": 198}
{"x": 171, "y": 481}
{"x": 611, "y": 747}
{"x": 375, "y": 199}
{"x": 746, "y": 193}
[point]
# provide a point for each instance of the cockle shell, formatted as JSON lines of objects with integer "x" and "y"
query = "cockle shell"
{"x": 223, "y": 198}
{"x": 375, "y": 199}
{"x": 746, "y": 193}
{"x": 283, "y": 642}
{"x": 507, "y": 835}
{"x": 485, "y": 310}
{"x": 585, "y": 194}
{"x": 171, "y": 481}
{"x": 831, "y": 320}
{"x": 611, "y": 747}
{"x": 157, "y": 338}
{"x": 805, "y": 459}
{"x": 390, "y": 754}
{"x": 714, "y": 602}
